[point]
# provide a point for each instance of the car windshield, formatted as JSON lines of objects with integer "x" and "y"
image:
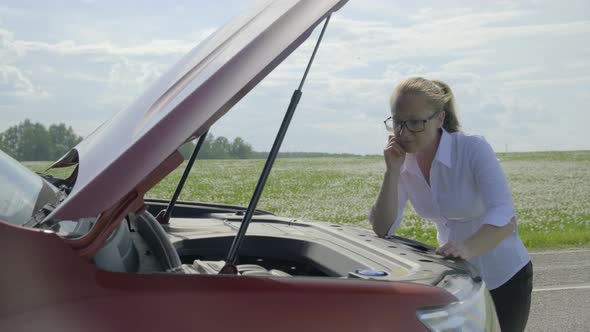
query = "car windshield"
{"x": 21, "y": 191}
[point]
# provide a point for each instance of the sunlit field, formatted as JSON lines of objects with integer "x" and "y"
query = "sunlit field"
{"x": 551, "y": 192}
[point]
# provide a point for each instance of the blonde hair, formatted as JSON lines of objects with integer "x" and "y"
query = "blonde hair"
{"x": 437, "y": 93}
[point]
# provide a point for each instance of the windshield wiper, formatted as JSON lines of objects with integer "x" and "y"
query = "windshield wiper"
{"x": 230, "y": 261}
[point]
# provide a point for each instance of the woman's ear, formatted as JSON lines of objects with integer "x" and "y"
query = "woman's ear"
{"x": 440, "y": 119}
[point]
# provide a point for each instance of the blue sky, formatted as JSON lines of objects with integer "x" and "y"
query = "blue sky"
{"x": 520, "y": 70}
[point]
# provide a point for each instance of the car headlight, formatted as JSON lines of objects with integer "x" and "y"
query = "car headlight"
{"x": 474, "y": 310}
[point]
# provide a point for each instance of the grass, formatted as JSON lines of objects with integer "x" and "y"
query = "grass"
{"x": 551, "y": 192}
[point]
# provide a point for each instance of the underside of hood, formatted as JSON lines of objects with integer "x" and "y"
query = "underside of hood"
{"x": 138, "y": 145}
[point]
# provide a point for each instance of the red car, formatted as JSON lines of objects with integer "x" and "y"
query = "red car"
{"x": 89, "y": 253}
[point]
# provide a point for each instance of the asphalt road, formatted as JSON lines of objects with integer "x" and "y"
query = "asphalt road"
{"x": 561, "y": 291}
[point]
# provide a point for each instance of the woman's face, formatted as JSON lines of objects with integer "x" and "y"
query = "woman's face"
{"x": 412, "y": 111}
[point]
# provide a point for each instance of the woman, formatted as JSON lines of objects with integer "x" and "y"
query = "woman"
{"x": 455, "y": 181}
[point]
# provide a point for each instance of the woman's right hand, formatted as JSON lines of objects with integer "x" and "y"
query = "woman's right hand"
{"x": 394, "y": 154}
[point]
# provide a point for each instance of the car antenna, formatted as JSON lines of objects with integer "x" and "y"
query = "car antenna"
{"x": 230, "y": 261}
{"x": 163, "y": 216}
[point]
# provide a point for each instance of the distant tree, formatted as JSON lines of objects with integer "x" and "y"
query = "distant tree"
{"x": 37, "y": 143}
{"x": 205, "y": 151}
{"x": 186, "y": 150}
{"x": 32, "y": 141}
{"x": 62, "y": 139}
{"x": 220, "y": 148}
{"x": 240, "y": 149}
{"x": 9, "y": 141}
{"x": 27, "y": 141}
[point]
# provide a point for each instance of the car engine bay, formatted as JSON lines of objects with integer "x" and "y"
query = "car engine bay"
{"x": 275, "y": 247}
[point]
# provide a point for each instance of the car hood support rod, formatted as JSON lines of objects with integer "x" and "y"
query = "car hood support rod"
{"x": 163, "y": 216}
{"x": 230, "y": 261}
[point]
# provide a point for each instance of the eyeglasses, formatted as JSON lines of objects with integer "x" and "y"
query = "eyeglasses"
{"x": 414, "y": 126}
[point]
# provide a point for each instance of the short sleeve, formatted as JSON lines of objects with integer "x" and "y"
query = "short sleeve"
{"x": 402, "y": 199}
{"x": 492, "y": 184}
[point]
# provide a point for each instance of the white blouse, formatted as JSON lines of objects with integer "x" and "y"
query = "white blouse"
{"x": 467, "y": 189}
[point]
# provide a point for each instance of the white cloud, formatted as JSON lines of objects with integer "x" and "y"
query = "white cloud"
{"x": 7, "y": 11}
{"x": 531, "y": 83}
{"x": 68, "y": 47}
{"x": 14, "y": 82}
{"x": 157, "y": 47}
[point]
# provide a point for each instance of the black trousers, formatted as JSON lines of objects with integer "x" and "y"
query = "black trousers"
{"x": 513, "y": 300}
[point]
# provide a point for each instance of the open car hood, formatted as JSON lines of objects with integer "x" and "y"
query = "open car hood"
{"x": 138, "y": 146}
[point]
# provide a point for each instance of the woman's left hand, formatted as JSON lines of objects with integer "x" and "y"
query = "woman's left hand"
{"x": 454, "y": 249}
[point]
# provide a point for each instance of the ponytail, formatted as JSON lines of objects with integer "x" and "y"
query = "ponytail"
{"x": 451, "y": 123}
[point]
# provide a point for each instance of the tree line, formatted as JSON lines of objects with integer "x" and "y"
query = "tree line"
{"x": 28, "y": 141}
{"x": 220, "y": 148}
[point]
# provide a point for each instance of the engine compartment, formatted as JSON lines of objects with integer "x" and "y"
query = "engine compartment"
{"x": 293, "y": 256}
{"x": 273, "y": 247}
{"x": 136, "y": 247}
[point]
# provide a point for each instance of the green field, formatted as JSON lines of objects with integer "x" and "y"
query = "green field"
{"x": 551, "y": 192}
